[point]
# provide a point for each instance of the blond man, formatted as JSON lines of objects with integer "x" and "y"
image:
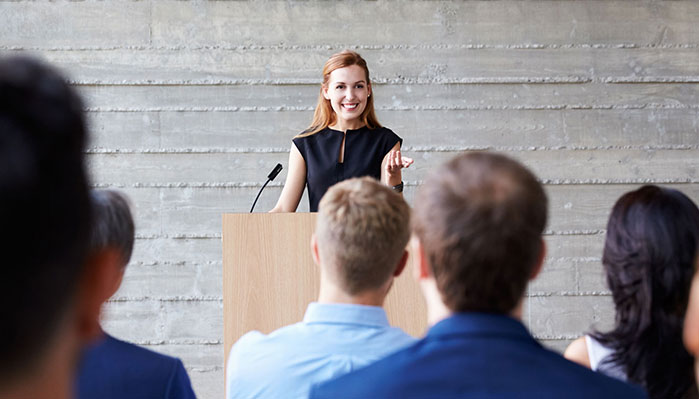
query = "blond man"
{"x": 360, "y": 247}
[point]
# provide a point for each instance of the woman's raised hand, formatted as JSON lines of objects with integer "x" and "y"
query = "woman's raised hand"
{"x": 396, "y": 162}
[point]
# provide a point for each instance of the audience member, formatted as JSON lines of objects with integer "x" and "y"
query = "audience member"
{"x": 50, "y": 299}
{"x": 478, "y": 222}
{"x": 691, "y": 322}
{"x": 360, "y": 246}
{"x": 112, "y": 368}
{"x": 648, "y": 258}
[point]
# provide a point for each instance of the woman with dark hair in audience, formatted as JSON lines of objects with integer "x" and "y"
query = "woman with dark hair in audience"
{"x": 648, "y": 258}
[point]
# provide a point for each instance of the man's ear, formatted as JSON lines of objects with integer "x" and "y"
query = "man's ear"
{"x": 314, "y": 249}
{"x": 101, "y": 278}
{"x": 401, "y": 264}
{"x": 540, "y": 262}
{"x": 421, "y": 267}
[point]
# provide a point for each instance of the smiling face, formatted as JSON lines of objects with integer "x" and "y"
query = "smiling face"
{"x": 348, "y": 91}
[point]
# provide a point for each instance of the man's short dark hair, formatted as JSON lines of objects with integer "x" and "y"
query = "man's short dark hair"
{"x": 45, "y": 210}
{"x": 113, "y": 223}
{"x": 480, "y": 218}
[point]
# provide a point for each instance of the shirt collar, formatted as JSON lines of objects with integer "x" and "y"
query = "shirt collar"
{"x": 488, "y": 324}
{"x": 344, "y": 313}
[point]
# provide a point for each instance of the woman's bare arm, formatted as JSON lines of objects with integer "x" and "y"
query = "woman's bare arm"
{"x": 295, "y": 182}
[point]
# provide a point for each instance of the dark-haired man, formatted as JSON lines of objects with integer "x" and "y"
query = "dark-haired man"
{"x": 478, "y": 222}
{"x": 51, "y": 300}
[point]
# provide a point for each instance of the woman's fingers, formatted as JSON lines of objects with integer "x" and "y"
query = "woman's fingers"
{"x": 396, "y": 161}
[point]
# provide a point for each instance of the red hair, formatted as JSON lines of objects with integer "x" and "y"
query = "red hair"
{"x": 324, "y": 115}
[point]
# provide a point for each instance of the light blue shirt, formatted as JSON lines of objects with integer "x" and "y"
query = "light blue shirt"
{"x": 332, "y": 339}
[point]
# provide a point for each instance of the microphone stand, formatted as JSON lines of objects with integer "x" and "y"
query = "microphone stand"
{"x": 270, "y": 177}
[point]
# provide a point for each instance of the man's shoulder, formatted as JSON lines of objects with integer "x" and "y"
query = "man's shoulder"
{"x": 119, "y": 352}
{"x": 256, "y": 347}
{"x": 113, "y": 367}
{"x": 256, "y": 340}
{"x": 429, "y": 369}
{"x": 381, "y": 377}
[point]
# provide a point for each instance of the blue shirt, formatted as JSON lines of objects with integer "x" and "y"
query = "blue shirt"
{"x": 475, "y": 355}
{"x": 332, "y": 339}
{"x": 116, "y": 369}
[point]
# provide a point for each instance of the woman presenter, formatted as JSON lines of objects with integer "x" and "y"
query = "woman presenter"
{"x": 344, "y": 140}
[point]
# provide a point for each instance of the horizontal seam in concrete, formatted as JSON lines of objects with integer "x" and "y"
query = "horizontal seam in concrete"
{"x": 581, "y": 259}
{"x": 651, "y": 79}
{"x": 182, "y": 263}
{"x": 203, "y": 369}
{"x": 561, "y": 79}
{"x": 546, "y": 294}
{"x": 384, "y": 47}
{"x": 121, "y": 299}
{"x": 576, "y": 182}
{"x": 179, "y": 236}
{"x": 554, "y": 107}
{"x": 588, "y": 232}
{"x": 254, "y": 185}
{"x": 374, "y": 80}
{"x": 186, "y": 342}
{"x": 561, "y": 337}
{"x": 283, "y": 150}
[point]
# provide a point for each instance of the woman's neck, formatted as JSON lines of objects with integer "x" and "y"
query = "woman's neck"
{"x": 344, "y": 126}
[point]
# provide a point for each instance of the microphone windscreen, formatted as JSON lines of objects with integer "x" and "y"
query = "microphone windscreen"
{"x": 275, "y": 172}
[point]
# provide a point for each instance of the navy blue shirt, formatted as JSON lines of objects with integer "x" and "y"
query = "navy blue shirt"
{"x": 364, "y": 151}
{"x": 116, "y": 369}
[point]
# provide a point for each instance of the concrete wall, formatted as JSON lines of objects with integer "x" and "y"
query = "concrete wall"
{"x": 192, "y": 102}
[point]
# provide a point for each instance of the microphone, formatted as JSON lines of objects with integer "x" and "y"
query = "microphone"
{"x": 270, "y": 177}
{"x": 275, "y": 172}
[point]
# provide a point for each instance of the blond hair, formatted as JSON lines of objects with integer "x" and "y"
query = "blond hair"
{"x": 362, "y": 230}
{"x": 324, "y": 115}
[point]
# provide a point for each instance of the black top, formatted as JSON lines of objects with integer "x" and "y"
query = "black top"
{"x": 364, "y": 151}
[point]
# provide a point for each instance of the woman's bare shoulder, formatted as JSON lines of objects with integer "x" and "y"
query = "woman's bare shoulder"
{"x": 577, "y": 352}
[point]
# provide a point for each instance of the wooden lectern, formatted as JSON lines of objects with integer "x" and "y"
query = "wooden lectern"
{"x": 269, "y": 277}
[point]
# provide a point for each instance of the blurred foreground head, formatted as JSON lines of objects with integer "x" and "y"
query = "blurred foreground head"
{"x": 46, "y": 218}
{"x": 479, "y": 219}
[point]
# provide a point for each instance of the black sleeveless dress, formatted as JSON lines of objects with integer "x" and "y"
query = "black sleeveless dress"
{"x": 364, "y": 151}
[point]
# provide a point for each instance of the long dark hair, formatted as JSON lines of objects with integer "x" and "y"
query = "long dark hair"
{"x": 648, "y": 257}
